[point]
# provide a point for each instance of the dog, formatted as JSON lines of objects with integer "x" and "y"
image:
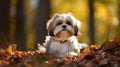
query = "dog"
{"x": 62, "y": 36}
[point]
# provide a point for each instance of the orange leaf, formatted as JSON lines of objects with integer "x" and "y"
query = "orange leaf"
{"x": 19, "y": 54}
{"x": 69, "y": 57}
{"x": 9, "y": 49}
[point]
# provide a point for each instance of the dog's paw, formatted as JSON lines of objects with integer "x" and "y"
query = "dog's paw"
{"x": 41, "y": 48}
{"x": 82, "y": 45}
{"x": 72, "y": 53}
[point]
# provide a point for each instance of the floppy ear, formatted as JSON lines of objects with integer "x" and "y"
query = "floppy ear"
{"x": 75, "y": 30}
{"x": 50, "y": 28}
{"x": 50, "y": 25}
{"x": 76, "y": 27}
{"x": 77, "y": 24}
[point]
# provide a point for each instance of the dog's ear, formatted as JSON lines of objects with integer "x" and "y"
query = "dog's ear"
{"x": 50, "y": 28}
{"x": 77, "y": 24}
{"x": 50, "y": 25}
{"x": 76, "y": 27}
{"x": 75, "y": 30}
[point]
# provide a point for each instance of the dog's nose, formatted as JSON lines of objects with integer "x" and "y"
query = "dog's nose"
{"x": 64, "y": 26}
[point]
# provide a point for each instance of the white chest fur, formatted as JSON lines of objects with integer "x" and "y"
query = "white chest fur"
{"x": 70, "y": 47}
{"x": 60, "y": 49}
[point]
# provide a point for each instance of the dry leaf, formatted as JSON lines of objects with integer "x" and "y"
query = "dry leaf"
{"x": 9, "y": 49}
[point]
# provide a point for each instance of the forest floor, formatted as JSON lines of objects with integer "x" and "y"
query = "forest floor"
{"x": 107, "y": 55}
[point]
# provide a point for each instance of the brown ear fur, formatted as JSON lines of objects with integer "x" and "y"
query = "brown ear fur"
{"x": 77, "y": 24}
{"x": 75, "y": 30}
{"x": 50, "y": 25}
{"x": 50, "y": 28}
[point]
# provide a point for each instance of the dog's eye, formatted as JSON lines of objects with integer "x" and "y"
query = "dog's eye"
{"x": 59, "y": 23}
{"x": 68, "y": 23}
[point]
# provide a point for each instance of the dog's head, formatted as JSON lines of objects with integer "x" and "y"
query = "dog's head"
{"x": 63, "y": 25}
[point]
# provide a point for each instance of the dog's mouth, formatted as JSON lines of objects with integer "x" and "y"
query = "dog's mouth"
{"x": 64, "y": 29}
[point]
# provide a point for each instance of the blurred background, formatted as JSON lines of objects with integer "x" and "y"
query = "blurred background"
{"x": 23, "y": 22}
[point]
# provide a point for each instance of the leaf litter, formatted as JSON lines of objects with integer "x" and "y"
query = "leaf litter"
{"x": 92, "y": 56}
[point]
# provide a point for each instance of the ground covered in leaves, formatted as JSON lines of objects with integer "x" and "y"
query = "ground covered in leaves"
{"x": 107, "y": 55}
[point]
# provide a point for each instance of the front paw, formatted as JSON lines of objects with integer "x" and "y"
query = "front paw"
{"x": 82, "y": 45}
{"x": 72, "y": 53}
{"x": 41, "y": 48}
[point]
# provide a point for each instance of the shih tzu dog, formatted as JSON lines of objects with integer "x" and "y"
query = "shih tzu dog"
{"x": 62, "y": 31}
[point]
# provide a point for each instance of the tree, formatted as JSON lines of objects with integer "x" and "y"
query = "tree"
{"x": 4, "y": 22}
{"x": 118, "y": 29}
{"x": 42, "y": 17}
{"x": 91, "y": 21}
{"x": 20, "y": 19}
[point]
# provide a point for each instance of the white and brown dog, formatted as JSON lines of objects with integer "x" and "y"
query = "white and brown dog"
{"x": 62, "y": 40}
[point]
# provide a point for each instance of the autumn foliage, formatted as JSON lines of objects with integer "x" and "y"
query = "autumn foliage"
{"x": 93, "y": 56}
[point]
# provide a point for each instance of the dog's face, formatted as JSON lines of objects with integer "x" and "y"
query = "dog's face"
{"x": 63, "y": 26}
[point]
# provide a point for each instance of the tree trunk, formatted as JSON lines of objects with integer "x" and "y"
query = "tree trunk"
{"x": 42, "y": 18}
{"x": 4, "y": 22}
{"x": 30, "y": 13}
{"x": 20, "y": 19}
{"x": 118, "y": 29}
{"x": 91, "y": 22}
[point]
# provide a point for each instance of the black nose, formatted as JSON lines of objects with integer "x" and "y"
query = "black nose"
{"x": 64, "y": 26}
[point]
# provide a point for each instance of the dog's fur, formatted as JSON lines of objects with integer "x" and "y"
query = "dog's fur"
{"x": 62, "y": 31}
